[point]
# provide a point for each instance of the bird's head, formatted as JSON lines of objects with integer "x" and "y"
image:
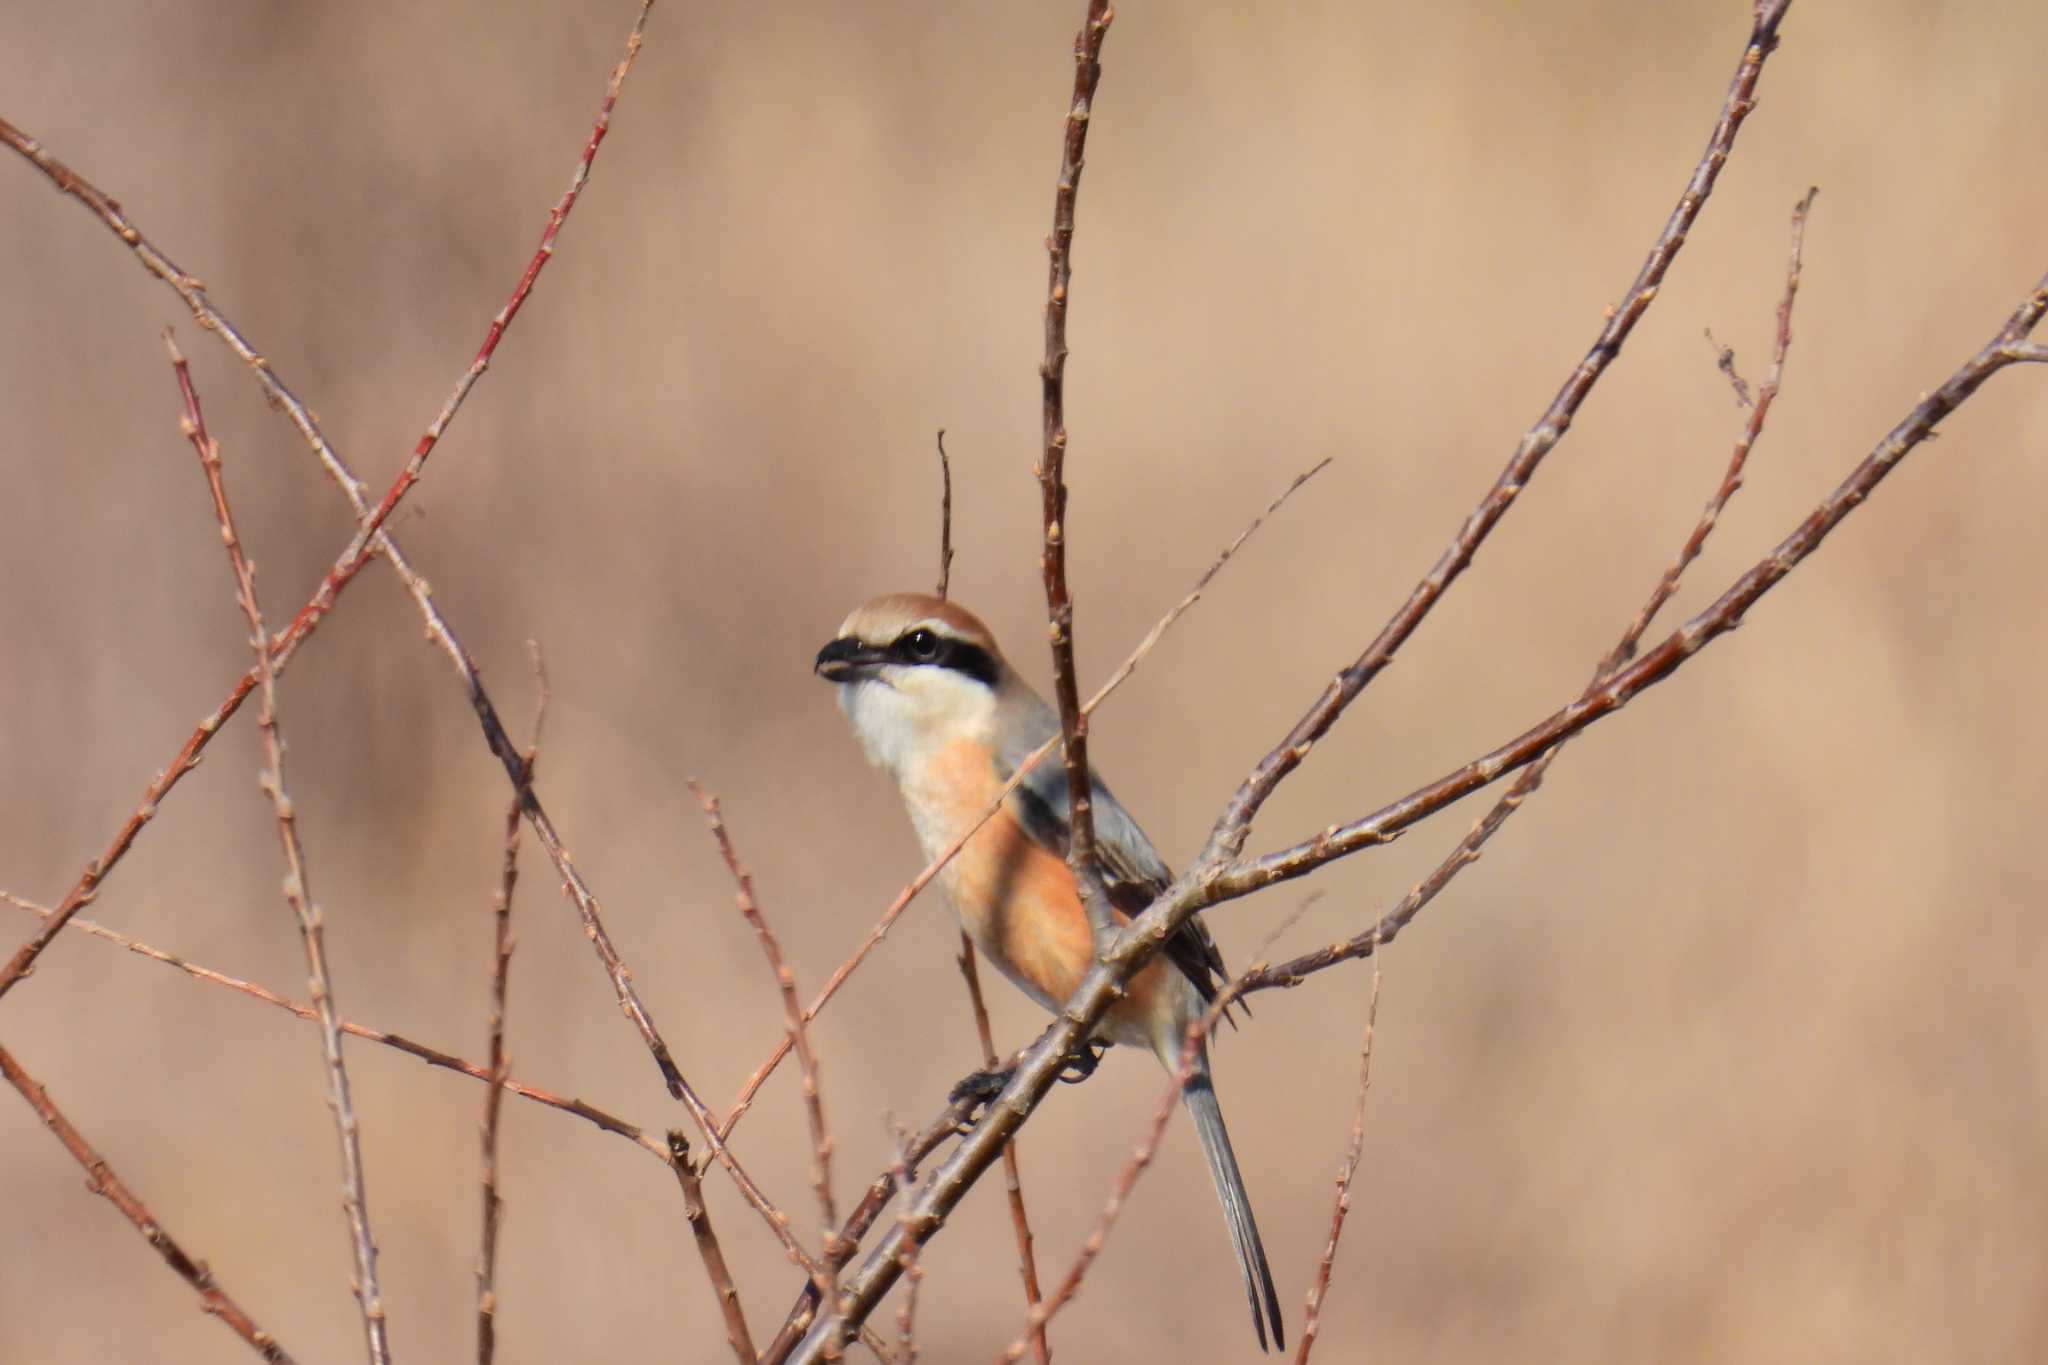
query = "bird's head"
{"x": 914, "y": 673}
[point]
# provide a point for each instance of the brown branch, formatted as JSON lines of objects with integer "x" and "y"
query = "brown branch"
{"x": 101, "y": 1180}
{"x": 1468, "y": 849}
{"x": 1233, "y": 827}
{"x": 1209, "y": 882}
{"x": 945, "y": 517}
{"x": 1052, "y": 484}
{"x": 298, "y": 891}
{"x": 753, "y": 1083}
{"x": 610, "y": 1123}
{"x": 501, "y": 969}
{"x": 1347, "y": 1171}
{"x": 699, "y": 1217}
{"x": 792, "y": 1012}
{"x": 307, "y": 619}
{"x": 1013, "y": 1179}
{"x": 913, "y": 1273}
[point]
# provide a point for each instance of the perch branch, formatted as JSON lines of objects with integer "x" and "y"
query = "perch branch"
{"x": 923, "y": 879}
{"x": 1209, "y": 882}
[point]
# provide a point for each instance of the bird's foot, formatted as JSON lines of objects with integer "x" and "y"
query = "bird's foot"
{"x": 979, "y": 1087}
{"x": 1080, "y": 1064}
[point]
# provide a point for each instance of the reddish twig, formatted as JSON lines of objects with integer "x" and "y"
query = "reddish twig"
{"x": 1013, "y": 1178}
{"x": 1052, "y": 484}
{"x": 1468, "y": 849}
{"x": 610, "y": 1123}
{"x": 501, "y": 970}
{"x": 101, "y": 1180}
{"x": 298, "y": 892}
{"x": 945, "y": 517}
{"x": 1233, "y": 827}
{"x": 1347, "y": 1171}
{"x": 753, "y": 1083}
{"x": 307, "y": 619}
{"x": 792, "y": 1012}
{"x": 699, "y": 1217}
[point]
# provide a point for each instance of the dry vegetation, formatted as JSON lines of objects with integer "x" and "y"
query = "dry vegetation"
{"x": 1731, "y": 1046}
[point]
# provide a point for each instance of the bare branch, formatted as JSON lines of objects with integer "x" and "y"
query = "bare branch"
{"x": 1013, "y": 1176}
{"x": 307, "y": 619}
{"x": 1208, "y": 882}
{"x": 1052, "y": 477}
{"x": 1233, "y": 827}
{"x": 1468, "y": 849}
{"x": 792, "y": 1011}
{"x": 101, "y": 1180}
{"x": 945, "y": 517}
{"x": 501, "y": 968}
{"x": 610, "y": 1123}
{"x": 687, "y": 1174}
{"x": 1347, "y": 1170}
{"x": 298, "y": 891}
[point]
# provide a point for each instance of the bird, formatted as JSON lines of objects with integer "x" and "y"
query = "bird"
{"x": 937, "y": 707}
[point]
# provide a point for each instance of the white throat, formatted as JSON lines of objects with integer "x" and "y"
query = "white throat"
{"x": 906, "y": 715}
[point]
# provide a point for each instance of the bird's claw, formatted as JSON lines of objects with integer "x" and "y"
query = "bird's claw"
{"x": 1080, "y": 1064}
{"x": 978, "y": 1088}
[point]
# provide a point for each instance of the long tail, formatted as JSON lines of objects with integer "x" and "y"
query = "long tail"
{"x": 1199, "y": 1095}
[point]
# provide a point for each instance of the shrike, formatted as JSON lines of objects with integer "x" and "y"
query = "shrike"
{"x": 935, "y": 705}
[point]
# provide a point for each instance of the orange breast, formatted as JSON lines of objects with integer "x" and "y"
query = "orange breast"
{"x": 1018, "y": 902}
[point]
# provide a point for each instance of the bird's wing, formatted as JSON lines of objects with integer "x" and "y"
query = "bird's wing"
{"x": 1132, "y": 871}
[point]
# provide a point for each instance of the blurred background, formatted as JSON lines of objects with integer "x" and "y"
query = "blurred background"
{"x": 1733, "y": 1046}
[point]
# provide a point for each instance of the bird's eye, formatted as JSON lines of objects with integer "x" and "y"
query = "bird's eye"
{"x": 921, "y": 645}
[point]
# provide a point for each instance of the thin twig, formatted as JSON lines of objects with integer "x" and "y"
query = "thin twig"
{"x": 1468, "y": 849}
{"x": 610, "y": 1123}
{"x": 1347, "y": 1171}
{"x": 1059, "y": 604}
{"x": 501, "y": 969}
{"x": 1233, "y": 826}
{"x": 309, "y": 616}
{"x": 945, "y": 517}
{"x": 1013, "y": 1178}
{"x": 298, "y": 891}
{"x": 792, "y": 1012}
{"x": 1209, "y": 882}
{"x": 858, "y": 1223}
{"x": 699, "y": 1217}
{"x": 753, "y": 1083}
{"x": 101, "y": 1180}
{"x": 913, "y": 1273}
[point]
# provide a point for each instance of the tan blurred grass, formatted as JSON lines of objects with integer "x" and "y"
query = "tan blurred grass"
{"x": 1733, "y": 1047}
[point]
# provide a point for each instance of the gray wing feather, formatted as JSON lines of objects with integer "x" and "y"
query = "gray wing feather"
{"x": 1132, "y": 870}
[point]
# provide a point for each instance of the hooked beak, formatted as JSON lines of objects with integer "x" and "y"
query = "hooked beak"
{"x": 847, "y": 660}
